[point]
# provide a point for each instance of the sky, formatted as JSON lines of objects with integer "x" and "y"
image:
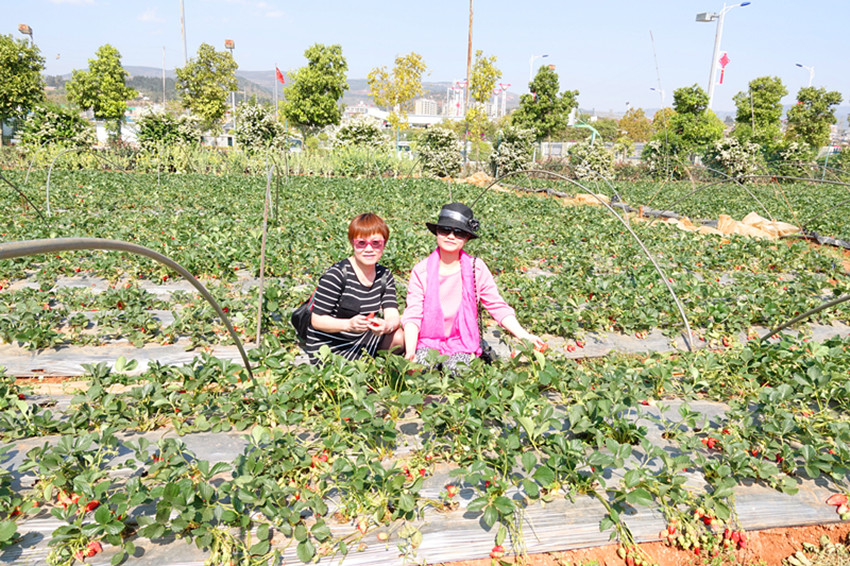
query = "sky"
{"x": 614, "y": 52}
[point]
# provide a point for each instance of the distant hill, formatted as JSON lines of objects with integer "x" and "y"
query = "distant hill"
{"x": 262, "y": 84}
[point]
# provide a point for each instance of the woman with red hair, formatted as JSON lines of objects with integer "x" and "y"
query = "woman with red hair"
{"x": 354, "y": 309}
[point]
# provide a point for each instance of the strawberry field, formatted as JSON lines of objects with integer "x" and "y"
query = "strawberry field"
{"x": 375, "y": 461}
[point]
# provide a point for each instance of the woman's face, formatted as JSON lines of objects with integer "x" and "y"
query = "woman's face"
{"x": 368, "y": 250}
{"x": 451, "y": 240}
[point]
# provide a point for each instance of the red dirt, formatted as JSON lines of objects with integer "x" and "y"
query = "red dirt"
{"x": 765, "y": 548}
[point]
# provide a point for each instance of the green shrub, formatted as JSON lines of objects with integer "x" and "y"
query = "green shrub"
{"x": 792, "y": 159}
{"x": 360, "y": 133}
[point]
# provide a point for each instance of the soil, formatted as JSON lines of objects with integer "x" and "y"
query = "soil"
{"x": 765, "y": 548}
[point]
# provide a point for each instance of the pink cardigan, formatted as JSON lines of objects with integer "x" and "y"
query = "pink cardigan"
{"x": 450, "y": 293}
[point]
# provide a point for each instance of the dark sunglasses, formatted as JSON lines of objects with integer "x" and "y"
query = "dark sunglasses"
{"x": 445, "y": 231}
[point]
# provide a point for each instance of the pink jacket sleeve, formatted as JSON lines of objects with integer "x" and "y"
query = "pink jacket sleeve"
{"x": 489, "y": 295}
{"x": 415, "y": 296}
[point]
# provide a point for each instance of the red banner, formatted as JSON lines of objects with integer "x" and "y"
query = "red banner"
{"x": 279, "y": 76}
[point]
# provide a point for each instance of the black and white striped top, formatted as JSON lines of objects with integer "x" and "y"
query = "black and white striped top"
{"x": 341, "y": 295}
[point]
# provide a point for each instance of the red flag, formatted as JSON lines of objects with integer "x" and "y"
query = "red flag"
{"x": 279, "y": 76}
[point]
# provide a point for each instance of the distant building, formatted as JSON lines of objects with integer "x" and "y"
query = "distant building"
{"x": 425, "y": 107}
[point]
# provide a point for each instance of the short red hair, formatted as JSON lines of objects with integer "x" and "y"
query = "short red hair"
{"x": 367, "y": 224}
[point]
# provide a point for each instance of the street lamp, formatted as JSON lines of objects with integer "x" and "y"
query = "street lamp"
{"x": 811, "y": 71}
{"x": 661, "y": 92}
{"x": 26, "y": 30}
{"x": 710, "y": 17}
{"x": 531, "y": 66}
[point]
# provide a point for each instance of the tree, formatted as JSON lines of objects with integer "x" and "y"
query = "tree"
{"x": 395, "y": 89}
{"x": 21, "y": 83}
{"x": 758, "y": 119}
{"x": 204, "y": 84}
{"x": 313, "y": 94}
{"x": 483, "y": 79}
{"x": 694, "y": 126}
{"x": 635, "y": 126}
{"x": 102, "y": 89}
{"x": 545, "y": 111}
{"x": 810, "y": 118}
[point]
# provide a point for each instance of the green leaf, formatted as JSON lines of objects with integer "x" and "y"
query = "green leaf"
{"x": 491, "y": 516}
{"x": 639, "y": 496}
{"x": 544, "y": 475}
{"x": 7, "y": 530}
{"x": 500, "y": 536}
{"x": 305, "y": 551}
{"x": 528, "y": 461}
{"x": 260, "y": 548}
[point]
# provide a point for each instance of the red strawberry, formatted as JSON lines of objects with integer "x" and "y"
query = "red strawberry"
{"x": 837, "y": 499}
{"x": 93, "y": 548}
{"x": 498, "y": 551}
{"x": 451, "y": 490}
{"x": 92, "y": 505}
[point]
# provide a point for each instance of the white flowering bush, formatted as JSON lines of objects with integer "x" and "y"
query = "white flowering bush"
{"x": 733, "y": 157}
{"x": 52, "y": 123}
{"x": 160, "y": 129}
{"x": 257, "y": 127}
{"x": 591, "y": 161}
{"x": 359, "y": 133}
{"x": 512, "y": 151}
{"x": 439, "y": 152}
{"x": 792, "y": 159}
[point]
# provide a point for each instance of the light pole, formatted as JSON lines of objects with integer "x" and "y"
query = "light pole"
{"x": 230, "y": 45}
{"x": 710, "y": 17}
{"x": 26, "y": 30}
{"x": 811, "y": 71}
{"x": 661, "y": 92}
{"x": 531, "y": 67}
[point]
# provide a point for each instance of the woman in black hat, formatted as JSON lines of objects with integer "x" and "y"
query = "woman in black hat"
{"x": 444, "y": 291}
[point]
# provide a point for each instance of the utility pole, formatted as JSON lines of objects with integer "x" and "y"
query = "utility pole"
{"x": 163, "y": 76}
{"x": 468, "y": 81}
{"x": 183, "y": 33}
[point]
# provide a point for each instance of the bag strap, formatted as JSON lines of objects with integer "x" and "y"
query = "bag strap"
{"x": 477, "y": 300}
{"x": 341, "y": 291}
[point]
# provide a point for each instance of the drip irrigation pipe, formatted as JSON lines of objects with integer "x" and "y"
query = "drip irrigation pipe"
{"x": 805, "y": 315}
{"x": 646, "y": 252}
{"x": 10, "y": 250}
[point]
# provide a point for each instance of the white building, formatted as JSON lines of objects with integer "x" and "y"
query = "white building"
{"x": 425, "y": 107}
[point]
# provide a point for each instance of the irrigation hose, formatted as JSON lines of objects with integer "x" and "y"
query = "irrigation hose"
{"x": 10, "y": 250}
{"x": 806, "y": 314}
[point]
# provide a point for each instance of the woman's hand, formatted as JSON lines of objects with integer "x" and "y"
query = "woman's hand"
{"x": 359, "y": 323}
{"x": 381, "y": 326}
{"x": 539, "y": 344}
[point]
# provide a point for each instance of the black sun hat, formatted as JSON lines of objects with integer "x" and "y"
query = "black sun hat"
{"x": 456, "y": 215}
